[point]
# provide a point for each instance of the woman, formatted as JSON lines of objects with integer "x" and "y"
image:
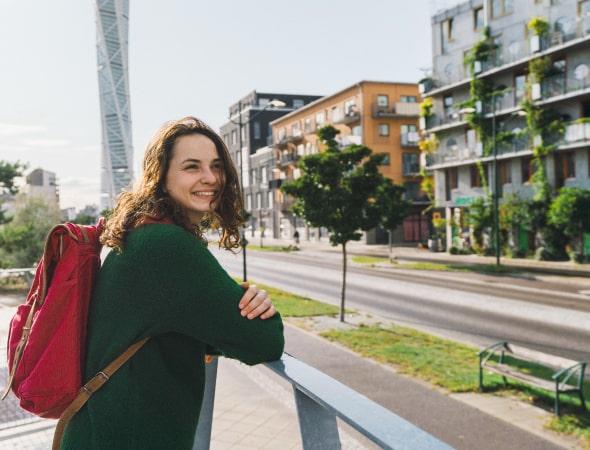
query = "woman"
{"x": 161, "y": 281}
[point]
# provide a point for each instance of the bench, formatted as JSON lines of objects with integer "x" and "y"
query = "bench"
{"x": 559, "y": 382}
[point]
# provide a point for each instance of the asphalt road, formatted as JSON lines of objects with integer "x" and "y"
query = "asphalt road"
{"x": 547, "y": 314}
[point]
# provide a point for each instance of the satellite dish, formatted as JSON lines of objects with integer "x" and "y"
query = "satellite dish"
{"x": 581, "y": 71}
{"x": 514, "y": 48}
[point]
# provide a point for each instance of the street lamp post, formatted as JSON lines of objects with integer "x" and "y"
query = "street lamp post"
{"x": 496, "y": 208}
{"x": 272, "y": 104}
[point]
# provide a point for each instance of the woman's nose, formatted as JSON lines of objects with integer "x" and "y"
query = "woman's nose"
{"x": 208, "y": 176}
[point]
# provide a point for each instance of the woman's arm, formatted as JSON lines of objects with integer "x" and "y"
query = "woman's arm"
{"x": 256, "y": 303}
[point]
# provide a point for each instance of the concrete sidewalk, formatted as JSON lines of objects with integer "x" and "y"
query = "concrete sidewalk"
{"x": 408, "y": 254}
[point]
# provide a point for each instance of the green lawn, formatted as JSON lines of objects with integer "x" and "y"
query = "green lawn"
{"x": 444, "y": 363}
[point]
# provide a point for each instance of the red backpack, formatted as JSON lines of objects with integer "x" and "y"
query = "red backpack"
{"x": 47, "y": 335}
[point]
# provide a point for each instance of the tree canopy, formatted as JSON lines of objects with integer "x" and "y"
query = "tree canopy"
{"x": 342, "y": 190}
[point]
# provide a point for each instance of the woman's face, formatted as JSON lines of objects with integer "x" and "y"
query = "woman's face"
{"x": 195, "y": 175}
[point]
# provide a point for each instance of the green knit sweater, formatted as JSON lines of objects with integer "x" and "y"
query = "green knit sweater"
{"x": 164, "y": 284}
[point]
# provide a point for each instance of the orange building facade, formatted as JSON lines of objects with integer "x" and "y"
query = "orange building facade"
{"x": 380, "y": 115}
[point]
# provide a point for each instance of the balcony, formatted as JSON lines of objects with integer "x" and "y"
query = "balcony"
{"x": 288, "y": 160}
{"x": 576, "y": 133}
{"x": 345, "y": 141}
{"x": 400, "y": 109}
{"x": 275, "y": 184}
{"x": 561, "y": 85}
{"x": 284, "y": 141}
{"x": 516, "y": 54}
{"x": 349, "y": 118}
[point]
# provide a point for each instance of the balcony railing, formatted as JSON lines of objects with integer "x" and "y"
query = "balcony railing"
{"x": 515, "y": 52}
{"x": 320, "y": 400}
{"x": 400, "y": 109}
{"x": 575, "y": 133}
{"x": 351, "y": 117}
{"x": 288, "y": 159}
{"x": 345, "y": 141}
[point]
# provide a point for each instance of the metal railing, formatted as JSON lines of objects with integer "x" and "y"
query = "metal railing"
{"x": 320, "y": 400}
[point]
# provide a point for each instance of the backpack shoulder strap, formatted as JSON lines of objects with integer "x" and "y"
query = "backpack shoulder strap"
{"x": 90, "y": 388}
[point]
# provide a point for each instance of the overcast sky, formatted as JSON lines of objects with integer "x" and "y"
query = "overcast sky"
{"x": 186, "y": 58}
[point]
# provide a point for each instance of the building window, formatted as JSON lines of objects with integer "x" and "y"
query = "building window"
{"x": 451, "y": 182}
{"x": 408, "y": 99}
{"x": 256, "y": 126}
{"x": 502, "y": 7}
{"x": 234, "y": 137}
{"x": 519, "y": 88}
{"x": 307, "y": 125}
{"x": 526, "y": 169}
{"x": 270, "y": 199}
{"x": 249, "y": 202}
{"x": 506, "y": 172}
{"x": 319, "y": 119}
{"x": 383, "y": 129}
{"x": 386, "y": 159}
{"x": 565, "y": 167}
{"x": 264, "y": 176}
{"x": 409, "y": 134}
{"x": 336, "y": 114}
{"x": 383, "y": 100}
{"x": 412, "y": 190}
{"x": 298, "y": 103}
{"x": 448, "y": 104}
{"x": 410, "y": 164}
{"x": 497, "y": 50}
{"x": 478, "y": 18}
{"x": 476, "y": 180}
{"x": 446, "y": 34}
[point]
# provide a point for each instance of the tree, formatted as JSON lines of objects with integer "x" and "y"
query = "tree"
{"x": 340, "y": 190}
{"x": 8, "y": 172}
{"x": 569, "y": 211}
{"x": 393, "y": 208}
{"x": 23, "y": 239}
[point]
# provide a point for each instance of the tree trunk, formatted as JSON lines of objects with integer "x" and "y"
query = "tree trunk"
{"x": 343, "y": 296}
{"x": 391, "y": 256}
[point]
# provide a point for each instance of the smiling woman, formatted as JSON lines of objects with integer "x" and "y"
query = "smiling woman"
{"x": 162, "y": 282}
{"x": 195, "y": 176}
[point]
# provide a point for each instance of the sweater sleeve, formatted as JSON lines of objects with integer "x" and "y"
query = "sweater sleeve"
{"x": 187, "y": 291}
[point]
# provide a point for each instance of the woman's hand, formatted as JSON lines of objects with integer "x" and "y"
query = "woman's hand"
{"x": 256, "y": 303}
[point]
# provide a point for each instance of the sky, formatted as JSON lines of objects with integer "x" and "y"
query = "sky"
{"x": 186, "y": 57}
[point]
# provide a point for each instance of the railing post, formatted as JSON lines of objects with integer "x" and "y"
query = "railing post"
{"x": 317, "y": 424}
{"x": 203, "y": 435}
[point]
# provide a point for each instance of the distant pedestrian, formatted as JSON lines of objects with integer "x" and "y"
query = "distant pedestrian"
{"x": 296, "y": 237}
{"x": 160, "y": 281}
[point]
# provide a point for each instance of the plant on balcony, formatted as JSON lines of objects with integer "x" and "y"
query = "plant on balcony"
{"x": 480, "y": 52}
{"x": 426, "y": 108}
{"x": 540, "y": 68}
{"x": 428, "y": 144}
{"x": 539, "y": 26}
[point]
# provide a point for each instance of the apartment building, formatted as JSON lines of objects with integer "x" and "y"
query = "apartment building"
{"x": 496, "y": 62}
{"x": 381, "y": 115}
{"x": 249, "y": 126}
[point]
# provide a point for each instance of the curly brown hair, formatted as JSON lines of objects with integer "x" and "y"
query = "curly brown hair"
{"x": 148, "y": 201}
